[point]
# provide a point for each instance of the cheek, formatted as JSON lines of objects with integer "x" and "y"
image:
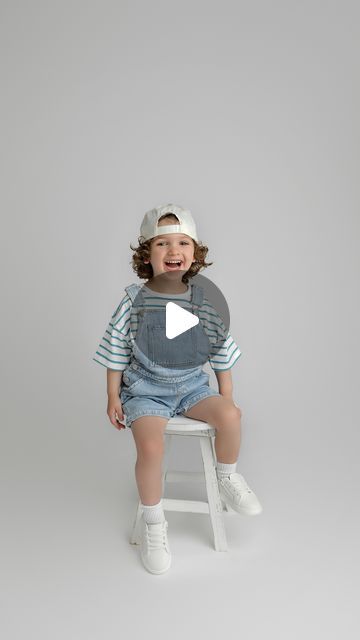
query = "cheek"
{"x": 156, "y": 256}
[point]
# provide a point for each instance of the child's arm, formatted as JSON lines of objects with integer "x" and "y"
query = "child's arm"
{"x": 114, "y": 379}
{"x": 224, "y": 380}
{"x": 114, "y": 407}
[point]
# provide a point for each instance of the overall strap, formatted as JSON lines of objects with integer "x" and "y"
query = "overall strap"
{"x": 197, "y": 295}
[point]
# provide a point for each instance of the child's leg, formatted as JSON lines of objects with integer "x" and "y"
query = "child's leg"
{"x": 222, "y": 414}
{"x": 148, "y": 432}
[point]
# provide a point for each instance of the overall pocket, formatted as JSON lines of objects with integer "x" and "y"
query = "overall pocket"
{"x": 179, "y": 352}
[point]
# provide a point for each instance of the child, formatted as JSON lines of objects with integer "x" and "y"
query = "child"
{"x": 150, "y": 378}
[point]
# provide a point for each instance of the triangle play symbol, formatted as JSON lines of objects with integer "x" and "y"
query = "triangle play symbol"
{"x": 178, "y": 320}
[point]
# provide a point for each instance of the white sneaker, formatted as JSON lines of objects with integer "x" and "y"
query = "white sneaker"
{"x": 154, "y": 546}
{"x": 236, "y": 493}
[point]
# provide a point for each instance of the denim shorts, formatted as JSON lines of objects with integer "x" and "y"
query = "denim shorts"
{"x": 146, "y": 394}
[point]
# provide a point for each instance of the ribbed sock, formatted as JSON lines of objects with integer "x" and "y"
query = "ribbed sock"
{"x": 153, "y": 513}
{"x": 223, "y": 470}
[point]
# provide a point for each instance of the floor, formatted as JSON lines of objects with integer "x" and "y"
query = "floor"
{"x": 68, "y": 570}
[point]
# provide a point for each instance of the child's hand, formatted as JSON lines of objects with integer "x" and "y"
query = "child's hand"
{"x": 115, "y": 412}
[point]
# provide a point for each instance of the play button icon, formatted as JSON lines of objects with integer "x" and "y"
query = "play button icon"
{"x": 178, "y": 320}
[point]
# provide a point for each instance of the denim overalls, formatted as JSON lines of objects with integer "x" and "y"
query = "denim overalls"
{"x": 164, "y": 377}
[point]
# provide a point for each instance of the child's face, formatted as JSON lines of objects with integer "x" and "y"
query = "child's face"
{"x": 171, "y": 246}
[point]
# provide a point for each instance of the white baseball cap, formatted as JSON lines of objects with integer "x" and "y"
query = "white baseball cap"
{"x": 149, "y": 226}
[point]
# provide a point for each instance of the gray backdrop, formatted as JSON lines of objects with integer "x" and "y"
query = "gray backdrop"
{"x": 247, "y": 113}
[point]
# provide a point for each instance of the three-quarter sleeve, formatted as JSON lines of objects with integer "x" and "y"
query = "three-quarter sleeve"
{"x": 114, "y": 350}
{"x": 224, "y": 357}
{"x": 224, "y": 350}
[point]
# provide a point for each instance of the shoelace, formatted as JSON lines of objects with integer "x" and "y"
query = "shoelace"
{"x": 157, "y": 539}
{"x": 239, "y": 483}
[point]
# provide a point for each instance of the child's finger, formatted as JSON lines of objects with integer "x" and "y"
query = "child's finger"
{"x": 114, "y": 421}
{"x": 119, "y": 420}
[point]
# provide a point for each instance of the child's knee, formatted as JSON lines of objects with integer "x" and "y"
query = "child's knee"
{"x": 233, "y": 414}
{"x": 149, "y": 437}
{"x": 229, "y": 416}
{"x": 151, "y": 448}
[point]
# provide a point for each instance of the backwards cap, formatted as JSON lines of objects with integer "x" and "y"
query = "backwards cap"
{"x": 149, "y": 226}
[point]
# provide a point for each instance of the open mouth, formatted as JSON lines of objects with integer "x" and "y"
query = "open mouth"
{"x": 173, "y": 265}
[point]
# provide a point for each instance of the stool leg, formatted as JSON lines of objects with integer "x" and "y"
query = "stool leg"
{"x": 135, "y": 534}
{"x": 165, "y": 465}
{"x": 214, "y": 500}
{"x": 226, "y": 507}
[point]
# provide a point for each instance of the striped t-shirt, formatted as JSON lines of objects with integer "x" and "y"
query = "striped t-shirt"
{"x": 115, "y": 348}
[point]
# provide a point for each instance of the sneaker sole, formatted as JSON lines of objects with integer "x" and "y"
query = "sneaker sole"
{"x": 238, "y": 509}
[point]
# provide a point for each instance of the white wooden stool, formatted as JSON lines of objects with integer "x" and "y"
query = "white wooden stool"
{"x": 182, "y": 426}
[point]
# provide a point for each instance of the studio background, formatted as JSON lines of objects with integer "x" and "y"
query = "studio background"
{"x": 247, "y": 113}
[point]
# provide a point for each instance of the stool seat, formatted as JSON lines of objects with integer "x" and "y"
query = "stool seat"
{"x": 182, "y": 426}
{"x": 187, "y": 424}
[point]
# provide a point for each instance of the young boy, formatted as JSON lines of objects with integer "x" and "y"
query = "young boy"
{"x": 150, "y": 378}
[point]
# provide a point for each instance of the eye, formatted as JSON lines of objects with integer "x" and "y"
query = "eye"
{"x": 161, "y": 242}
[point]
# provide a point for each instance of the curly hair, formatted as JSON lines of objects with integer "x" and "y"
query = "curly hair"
{"x": 142, "y": 252}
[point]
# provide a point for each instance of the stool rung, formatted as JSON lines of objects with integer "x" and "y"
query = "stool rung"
{"x": 184, "y": 476}
{"x": 193, "y": 506}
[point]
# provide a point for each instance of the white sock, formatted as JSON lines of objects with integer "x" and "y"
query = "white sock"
{"x": 223, "y": 470}
{"x": 153, "y": 513}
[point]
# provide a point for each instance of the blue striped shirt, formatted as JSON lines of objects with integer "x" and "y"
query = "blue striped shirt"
{"x": 115, "y": 348}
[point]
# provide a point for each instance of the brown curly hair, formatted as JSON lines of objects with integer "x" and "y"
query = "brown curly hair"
{"x": 142, "y": 252}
